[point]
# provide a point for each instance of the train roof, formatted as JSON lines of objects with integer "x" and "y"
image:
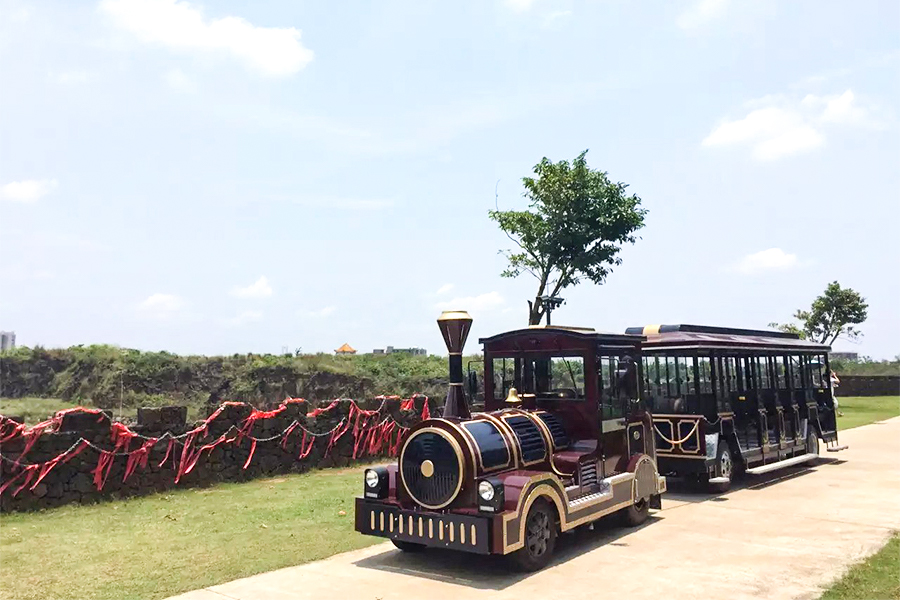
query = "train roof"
{"x": 705, "y": 336}
{"x": 583, "y": 333}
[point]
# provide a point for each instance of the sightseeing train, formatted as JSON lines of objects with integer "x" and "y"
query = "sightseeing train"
{"x": 579, "y": 424}
{"x": 553, "y": 449}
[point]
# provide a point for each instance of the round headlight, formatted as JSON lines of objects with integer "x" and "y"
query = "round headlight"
{"x": 486, "y": 491}
{"x": 372, "y": 478}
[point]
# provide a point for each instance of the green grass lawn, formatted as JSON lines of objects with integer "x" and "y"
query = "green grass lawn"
{"x": 862, "y": 410}
{"x": 34, "y": 410}
{"x": 161, "y": 545}
{"x": 876, "y": 578}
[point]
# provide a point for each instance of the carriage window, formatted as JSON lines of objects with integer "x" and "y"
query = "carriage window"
{"x": 762, "y": 371}
{"x": 731, "y": 374}
{"x": 797, "y": 373}
{"x": 654, "y": 371}
{"x": 781, "y": 372}
{"x": 671, "y": 377}
{"x": 816, "y": 365}
{"x": 703, "y": 366}
{"x": 686, "y": 375}
{"x": 504, "y": 373}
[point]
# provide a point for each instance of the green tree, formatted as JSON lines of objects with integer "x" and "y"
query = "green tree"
{"x": 576, "y": 224}
{"x": 832, "y": 315}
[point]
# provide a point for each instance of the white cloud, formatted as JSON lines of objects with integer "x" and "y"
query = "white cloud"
{"x": 519, "y": 5}
{"x": 555, "y": 18}
{"x": 773, "y": 259}
{"x": 322, "y": 312}
{"x": 178, "y": 81}
{"x": 444, "y": 289}
{"x": 28, "y": 190}
{"x": 273, "y": 51}
{"x": 248, "y": 316}
{"x": 701, "y": 13}
{"x": 779, "y": 126}
{"x": 483, "y": 302}
{"x": 72, "y": 77}
{"x": 258, "y": 289}
{"x": 161, "y": 305}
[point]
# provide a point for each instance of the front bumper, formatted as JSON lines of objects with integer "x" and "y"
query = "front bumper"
{"x": 443, "y": 530}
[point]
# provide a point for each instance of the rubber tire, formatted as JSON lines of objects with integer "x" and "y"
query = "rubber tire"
{"x": 408, "y": 546}
{"x": 812, "y": 443}
{"x": 636, "y": 514}
{"x": 720, "y": 488}
{"x": 524, "y": 559}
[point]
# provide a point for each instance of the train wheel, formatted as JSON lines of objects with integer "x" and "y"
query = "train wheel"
{"x": 637, "y": 513}
{"x": 724, "y": 469}
{"x": 540, "y": 538}
{"x": 408, "y": 546}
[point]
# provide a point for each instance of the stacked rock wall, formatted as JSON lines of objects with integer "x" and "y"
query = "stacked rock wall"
{"x": 81, "y": 456}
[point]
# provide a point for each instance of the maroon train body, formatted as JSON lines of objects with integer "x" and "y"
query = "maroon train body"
{"x": 563, "y": 440}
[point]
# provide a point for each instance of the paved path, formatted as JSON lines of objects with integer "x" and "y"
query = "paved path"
{"x": 784, "y": 535}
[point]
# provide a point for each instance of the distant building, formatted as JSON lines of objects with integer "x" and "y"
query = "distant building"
{"x": 345, "y": 349}
{"x": 7, "y": 340}
{"x": 844, "y": 355}
{"x": 392, "y": 350}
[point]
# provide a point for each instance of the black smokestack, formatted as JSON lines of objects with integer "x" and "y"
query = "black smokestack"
{"x": 454, "y": 326}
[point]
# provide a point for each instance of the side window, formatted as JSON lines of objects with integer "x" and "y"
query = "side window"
{"x": 686, "y": 372}
{"x": 816, "y": 366}
{"x": 797, "y": 372}
{"x": 763, "y": 372}
{"x": 703, "y": 366}
{"x": 781, "y": 372}
{"x": 612, "y": 407}
{"x": 504, "y": 371}
{"x": 655, "y": 373}
{"x": 731, "y": 374}
{"x": 671, "y": 377}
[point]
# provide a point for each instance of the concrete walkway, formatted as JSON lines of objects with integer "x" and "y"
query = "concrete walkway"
{"x": 785, "y": 535}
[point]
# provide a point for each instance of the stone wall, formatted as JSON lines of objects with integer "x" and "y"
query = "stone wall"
{"x": 869, "y": 385}
{"x": 236, "y": 443}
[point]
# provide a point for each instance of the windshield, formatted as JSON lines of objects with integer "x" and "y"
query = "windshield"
{"x": 543, "y": 377}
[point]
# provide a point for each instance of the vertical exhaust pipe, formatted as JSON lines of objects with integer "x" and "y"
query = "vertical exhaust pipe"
{"x": 454, "y": 326}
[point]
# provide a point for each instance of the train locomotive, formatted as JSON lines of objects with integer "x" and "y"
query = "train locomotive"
{"x": 564, "y": 439}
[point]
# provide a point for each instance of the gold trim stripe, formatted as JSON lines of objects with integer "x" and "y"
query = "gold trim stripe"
{"x": 651, "y": 329}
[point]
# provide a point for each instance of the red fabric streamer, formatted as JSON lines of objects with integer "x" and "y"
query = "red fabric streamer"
{"x": 168, "y": 451}
{"x": 139, "y": 457}
{"x": 319, "y": 411}
{"x": 250, "y": 456}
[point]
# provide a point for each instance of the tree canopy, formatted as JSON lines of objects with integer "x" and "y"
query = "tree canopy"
{"x": 832, "y": 315}
{"x": 576, "y": 224}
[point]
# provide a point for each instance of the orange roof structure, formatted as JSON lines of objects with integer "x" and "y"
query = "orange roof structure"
{"x": 345, "y": 349}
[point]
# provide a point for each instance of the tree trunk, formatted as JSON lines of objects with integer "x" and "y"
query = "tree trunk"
{"x": 535, "y": 312}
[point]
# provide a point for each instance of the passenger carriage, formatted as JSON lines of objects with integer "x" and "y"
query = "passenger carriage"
{"x": 731, "y": 400}
{"x": 564, "y": 440}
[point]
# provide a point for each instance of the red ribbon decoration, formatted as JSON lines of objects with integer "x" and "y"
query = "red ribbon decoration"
{"x": 370, "y": 437}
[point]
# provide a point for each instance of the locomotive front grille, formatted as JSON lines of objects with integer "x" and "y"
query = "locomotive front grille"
{"x": 459, "y": 532}
{"x": 431, "y": 467}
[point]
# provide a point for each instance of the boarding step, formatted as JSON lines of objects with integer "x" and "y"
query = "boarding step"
{"x": 790, "y": 462}
{"x": 837, "y": 448}
{"x": 717, "y": 480}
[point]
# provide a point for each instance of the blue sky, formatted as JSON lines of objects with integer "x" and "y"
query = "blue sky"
{"x": 226, "y": 177}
